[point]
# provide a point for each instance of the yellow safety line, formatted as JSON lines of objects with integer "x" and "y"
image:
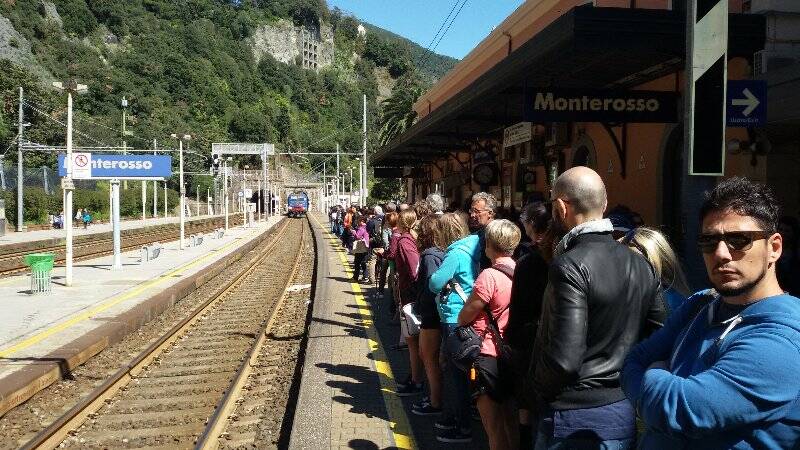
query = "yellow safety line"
{"x": 398, "y": 419}
{"x": 35, "y": 339}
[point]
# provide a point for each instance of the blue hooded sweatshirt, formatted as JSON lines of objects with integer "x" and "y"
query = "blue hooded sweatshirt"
{"x": 733, "y": 384}
{"x": 461, "y": 264}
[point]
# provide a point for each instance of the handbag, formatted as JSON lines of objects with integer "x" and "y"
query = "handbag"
{"x": 412, "y": 320}
{"x": 463, "y": 344}
{"x": 360, "y": 247}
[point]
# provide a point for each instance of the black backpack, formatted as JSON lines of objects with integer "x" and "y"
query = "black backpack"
{"x": 374, "y": 230}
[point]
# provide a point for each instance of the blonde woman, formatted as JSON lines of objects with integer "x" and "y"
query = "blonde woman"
{"x": 487, "y": 310}
{"x": 654, "y": 246}
{"x": 460, "y": 265}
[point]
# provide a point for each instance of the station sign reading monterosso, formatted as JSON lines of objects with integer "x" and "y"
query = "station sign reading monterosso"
{"x": 592, "y": 105}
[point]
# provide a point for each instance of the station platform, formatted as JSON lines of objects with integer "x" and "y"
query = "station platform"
{"x": 11, "y": 238}
{"x": 41, "y": 336}
{"x": 347, "y": 396}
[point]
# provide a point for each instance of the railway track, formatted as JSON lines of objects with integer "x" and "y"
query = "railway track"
{"x": 165, "y": 395}
{"x": 88, "y": 247}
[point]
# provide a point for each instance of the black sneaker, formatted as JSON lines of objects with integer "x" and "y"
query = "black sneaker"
{"x": 422, "y": 403}
{"x": 455, "y": 436}
{"x": 446, "y": 423}
{"x": 404, "y": 383}
{"x": 410, "y": 389}
{"x": 476, "y": 415}
{"x": 426, "y": 409}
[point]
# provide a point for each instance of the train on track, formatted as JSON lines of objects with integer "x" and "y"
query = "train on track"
{"x": 297, "y": 204}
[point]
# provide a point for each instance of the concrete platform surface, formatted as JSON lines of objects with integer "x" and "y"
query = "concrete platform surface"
{"x": 74, "y": 322}
{"x": 347, "y": 397}
{"x": 12, "y": 237}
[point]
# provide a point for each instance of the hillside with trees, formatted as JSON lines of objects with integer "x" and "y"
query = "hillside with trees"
{"x": 187, "y": 67}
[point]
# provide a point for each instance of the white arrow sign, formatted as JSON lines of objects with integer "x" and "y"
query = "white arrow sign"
{"x": 750, "y": 101}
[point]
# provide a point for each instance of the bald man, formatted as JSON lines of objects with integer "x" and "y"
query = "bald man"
{"x": 599, "y": 298}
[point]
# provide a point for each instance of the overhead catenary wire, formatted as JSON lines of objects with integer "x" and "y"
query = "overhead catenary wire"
{"x": 449, "y": 25}
{"x": 79, "y": 118}
{"x": 434, "y": 42}
{"x": 74, "y": 130}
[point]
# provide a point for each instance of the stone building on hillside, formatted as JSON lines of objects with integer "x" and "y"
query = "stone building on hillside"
{"x": 307, "y": 46}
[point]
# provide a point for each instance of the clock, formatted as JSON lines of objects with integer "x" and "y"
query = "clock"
{"x": 485, "y": 174}
{"x": 529, "y": 177}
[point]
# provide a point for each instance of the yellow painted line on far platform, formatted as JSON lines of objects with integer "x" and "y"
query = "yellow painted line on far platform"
{"x": 398, "y": 419}
{"x": 39, "y": 337}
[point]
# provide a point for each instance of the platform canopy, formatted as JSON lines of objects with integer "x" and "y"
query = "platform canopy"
{"x": 586, "y": 48}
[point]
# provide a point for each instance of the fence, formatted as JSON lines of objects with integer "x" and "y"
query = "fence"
{"x": 45, "y": 178}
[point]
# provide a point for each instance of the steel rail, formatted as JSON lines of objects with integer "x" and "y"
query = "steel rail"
{"x": 150, "y": 236}
{"x": 52, "y": 436}
{"x": 227, "y": 404}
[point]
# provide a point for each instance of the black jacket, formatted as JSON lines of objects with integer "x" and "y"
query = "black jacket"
{"x": 525, "y": 308}
{"x": 601, "y": 299}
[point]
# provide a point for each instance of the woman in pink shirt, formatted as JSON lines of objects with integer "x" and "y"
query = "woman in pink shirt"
{"x": 491, "y": 293}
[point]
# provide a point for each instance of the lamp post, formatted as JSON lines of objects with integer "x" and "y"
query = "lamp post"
{"x": 69, "y": 86}
{"x": 360, "y": 184}
{"x": 180, "y": 139}
{"x": 351, "y": 187}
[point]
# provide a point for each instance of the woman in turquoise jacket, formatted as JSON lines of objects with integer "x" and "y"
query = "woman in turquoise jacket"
{"x": 460, "y": 265}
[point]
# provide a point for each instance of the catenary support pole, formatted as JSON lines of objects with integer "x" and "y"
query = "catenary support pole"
{"x": 225, "y": 190}
{"x": 155, "y": 185}
{"x": 183, "y": 193}
{"x": 363, "y": 173}
{"x": 20, "y": 173}
{"x": 68, "y": 189}
{"x": 115, "y": 224}
{"x": 338, "y": 175}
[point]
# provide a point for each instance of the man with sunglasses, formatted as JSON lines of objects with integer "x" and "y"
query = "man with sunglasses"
{"x": 481, "y": 213}
{"x": 724, "y": 372}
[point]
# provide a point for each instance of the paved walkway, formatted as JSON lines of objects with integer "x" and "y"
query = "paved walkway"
{"x": 347, "y": 396}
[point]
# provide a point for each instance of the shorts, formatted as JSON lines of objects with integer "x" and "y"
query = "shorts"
{"x": 490, "y": 380}
{"x": 428, "y": 313}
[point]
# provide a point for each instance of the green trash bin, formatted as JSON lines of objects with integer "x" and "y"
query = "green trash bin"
{"x": 41, "y": 265}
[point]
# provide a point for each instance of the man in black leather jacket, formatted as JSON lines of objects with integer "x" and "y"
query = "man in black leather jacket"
{"x": 601, "y": 299}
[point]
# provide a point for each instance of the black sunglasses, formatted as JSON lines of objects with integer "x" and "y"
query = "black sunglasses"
{"x": 740, "y": 241}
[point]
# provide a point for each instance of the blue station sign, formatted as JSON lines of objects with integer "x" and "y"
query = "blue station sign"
{"x": 105, "y": 167}
{"x": 747, "y": 103}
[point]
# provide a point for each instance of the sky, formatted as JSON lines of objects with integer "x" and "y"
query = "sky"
{"x": 419, "y": 20}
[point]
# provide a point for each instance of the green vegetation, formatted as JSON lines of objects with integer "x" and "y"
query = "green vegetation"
{"x": 186, "y": 66}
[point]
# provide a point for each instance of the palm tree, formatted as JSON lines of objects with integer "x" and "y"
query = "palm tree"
{"x": 398, "y": 110}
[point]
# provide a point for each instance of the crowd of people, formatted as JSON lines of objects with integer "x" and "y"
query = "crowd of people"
{"x": 571, "y": 326}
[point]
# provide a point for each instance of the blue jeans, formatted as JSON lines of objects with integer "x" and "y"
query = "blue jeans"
{"x": 544, "y": 440}
{"x": 457, "y": 401}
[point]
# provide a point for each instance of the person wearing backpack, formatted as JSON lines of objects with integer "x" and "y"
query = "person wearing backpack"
{"x": 375, "y": 241}
{"x": 487, "y": 311}
{"x": 459, "y": 267}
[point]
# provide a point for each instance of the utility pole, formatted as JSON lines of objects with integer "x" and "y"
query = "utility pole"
{"x": 124, "y": 143}
{"x": 20, "y": 128}
{"x": 338, "y": 174}
{"x": 351, "y": 187}
{"x": 155, "y": 186}
{"x": 324, "y": 185}
{"x": 165, "y": 199}
{"x": 180, "y": 139}
{"x": 363, "y": 174}
{"x": 225, "y": 189}
{"x": 67, "y": 183}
